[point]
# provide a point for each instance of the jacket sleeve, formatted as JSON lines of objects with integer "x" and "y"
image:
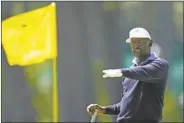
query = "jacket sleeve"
{"x": 113, "y": 109}
{"x": 155, "y": 70}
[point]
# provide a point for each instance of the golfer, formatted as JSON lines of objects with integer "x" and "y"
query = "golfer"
{"x": 143, "y": 84}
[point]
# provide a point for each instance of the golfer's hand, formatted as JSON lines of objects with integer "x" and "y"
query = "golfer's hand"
{"x": 91, "y": 109}
{"x": 111, "y": 73}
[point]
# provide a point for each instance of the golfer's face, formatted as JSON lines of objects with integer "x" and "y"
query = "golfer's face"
{"x": 140, "y": 46}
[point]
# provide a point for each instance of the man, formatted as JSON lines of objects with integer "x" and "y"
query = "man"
{"x": 143, "y": 84}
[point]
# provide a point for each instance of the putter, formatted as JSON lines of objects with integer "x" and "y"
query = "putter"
{"x": 93, "y": 118}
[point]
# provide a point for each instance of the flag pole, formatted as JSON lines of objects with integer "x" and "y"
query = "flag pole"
{"x": 54, "y": 93}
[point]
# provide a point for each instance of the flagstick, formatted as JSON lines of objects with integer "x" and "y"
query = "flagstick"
{"x": 54, "y": 93}
{"x": 55, "y": 84}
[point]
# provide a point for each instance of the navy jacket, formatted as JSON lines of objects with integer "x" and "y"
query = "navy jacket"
{"x": 143, "y": 88}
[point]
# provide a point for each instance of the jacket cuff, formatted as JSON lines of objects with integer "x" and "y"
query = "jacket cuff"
{"x": 108, "y": 109}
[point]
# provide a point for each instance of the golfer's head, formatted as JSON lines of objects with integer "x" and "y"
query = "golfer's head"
{"x": 140, "y": 42}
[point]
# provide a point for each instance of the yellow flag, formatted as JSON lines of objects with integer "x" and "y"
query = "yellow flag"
{"x": 30, "y": 38}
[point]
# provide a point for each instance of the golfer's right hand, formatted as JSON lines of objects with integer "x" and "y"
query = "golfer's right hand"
{"x": 92, "y": 107}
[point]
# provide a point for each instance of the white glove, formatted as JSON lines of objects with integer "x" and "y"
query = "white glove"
{"x": 112, "y": 73}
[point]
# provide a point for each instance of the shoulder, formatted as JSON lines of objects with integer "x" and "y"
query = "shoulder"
{"x": 161, "y": 61}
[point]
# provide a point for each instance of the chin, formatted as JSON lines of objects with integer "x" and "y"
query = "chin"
{"x": 137, "y": 55}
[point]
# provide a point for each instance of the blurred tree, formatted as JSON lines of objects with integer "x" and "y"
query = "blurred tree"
{"x": 6, "y": 9}
{"x": 101, "y": 92}
{"x": 110, "y": 6}
{"x": 178, "y": 20}
{"x": 176, "y": 70}
{"x": 18, "y": 7}
{"x": 30, "y": 5}
{"x": 39, "y": 77}
{"x": 171, "y": 110}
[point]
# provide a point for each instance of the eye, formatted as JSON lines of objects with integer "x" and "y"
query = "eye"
{"x": 141, "y": 42}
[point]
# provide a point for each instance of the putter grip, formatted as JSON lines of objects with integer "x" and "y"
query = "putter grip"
{"x": 94, "y": 116}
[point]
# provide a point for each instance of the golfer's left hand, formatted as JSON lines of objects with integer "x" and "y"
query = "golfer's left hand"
{"x": 91, "y": 109}
{"x": 111, "y": 73}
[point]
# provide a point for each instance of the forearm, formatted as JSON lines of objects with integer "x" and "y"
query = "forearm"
{"x": 140, "y": 74}
{"x": 112, "y": 109}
